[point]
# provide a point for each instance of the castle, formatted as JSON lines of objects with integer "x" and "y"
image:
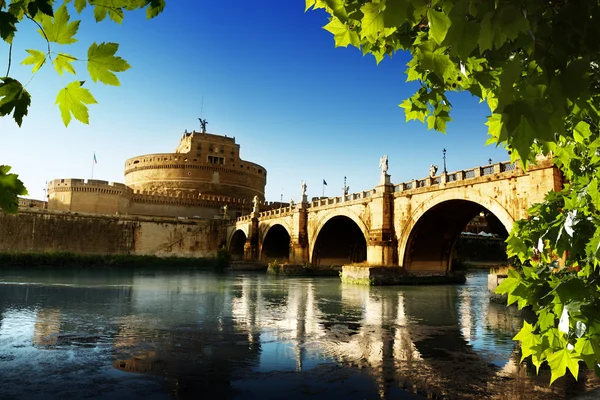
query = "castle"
{"x": 204, "y": 178}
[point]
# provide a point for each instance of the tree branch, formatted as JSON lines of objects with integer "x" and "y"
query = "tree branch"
{"x": 44, "y": 33}
{"x": 9, "y": 58}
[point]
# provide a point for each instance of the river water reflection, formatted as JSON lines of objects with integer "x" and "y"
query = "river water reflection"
{"x": 183, "y": 334}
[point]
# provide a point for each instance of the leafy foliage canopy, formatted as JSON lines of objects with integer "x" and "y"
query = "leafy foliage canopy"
{"x": 536, "y": 65}
{"x": 53, "y": 21}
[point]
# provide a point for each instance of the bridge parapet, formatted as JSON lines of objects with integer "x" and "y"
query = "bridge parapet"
{"x": 342, "y": 199}
{"x": 277, "y": 212}
{"x": 463, "y": 175}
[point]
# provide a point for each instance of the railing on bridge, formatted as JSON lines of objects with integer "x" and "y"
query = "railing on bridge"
{"x": 401, "y": 187}
{"x": 456, "y": 176}
{"x": 341, "y": 199}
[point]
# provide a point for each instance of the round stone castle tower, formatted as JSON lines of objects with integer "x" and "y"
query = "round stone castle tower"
{"x": 202, "y": 164}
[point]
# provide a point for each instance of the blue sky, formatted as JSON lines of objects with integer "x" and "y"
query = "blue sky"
{"x": 269, "y": 75}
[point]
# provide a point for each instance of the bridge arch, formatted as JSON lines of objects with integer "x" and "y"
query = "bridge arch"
{"x": 236, "y": 244}
{"x": 338, "y": 238}
{"x": 427, "y": 239}
{"x": 275, "y": 243}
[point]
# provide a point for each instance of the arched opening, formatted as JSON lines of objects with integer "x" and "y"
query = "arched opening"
{"x": 276, "y": 245}
{"x": 236, "y": 247}
{"x": 340, "y": 242}
{"x": 432, "y": 243}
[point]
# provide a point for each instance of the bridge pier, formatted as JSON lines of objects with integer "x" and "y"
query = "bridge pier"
{"x": 299, "y": 253}
{"x": 381, "y": 243}
{"x": 251, "y": 245}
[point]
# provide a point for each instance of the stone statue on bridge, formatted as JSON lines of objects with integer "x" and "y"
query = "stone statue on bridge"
{"x": 303, "y": 186}
{"x": 383, "y": 164}
{"x": 255, "y": 204}
{"x": 433, "y": 170}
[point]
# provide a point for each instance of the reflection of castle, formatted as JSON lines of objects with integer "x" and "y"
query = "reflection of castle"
{"x": 204, "y": 174}
{"x": 47, "y": 327}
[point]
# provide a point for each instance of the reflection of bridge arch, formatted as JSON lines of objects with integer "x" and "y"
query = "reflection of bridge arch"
{"x": 339, "y": 239}
{"x": 428, "y": 238}
{"x": 236, "y": 244}
{"x": 275, "y": 243}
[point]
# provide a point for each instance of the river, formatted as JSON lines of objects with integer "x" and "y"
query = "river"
{"x": 108, "y": 333}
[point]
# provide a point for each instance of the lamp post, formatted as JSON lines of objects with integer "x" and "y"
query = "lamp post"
{"x": 444, "y": 153}
{"x": 490, "y": 161}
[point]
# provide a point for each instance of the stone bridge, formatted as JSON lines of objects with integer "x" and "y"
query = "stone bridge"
{"x": 414, "y": 224}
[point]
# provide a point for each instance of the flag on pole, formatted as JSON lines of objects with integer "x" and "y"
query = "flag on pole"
{"x": 324, "y": 183}
{"x": 95, "y": 161}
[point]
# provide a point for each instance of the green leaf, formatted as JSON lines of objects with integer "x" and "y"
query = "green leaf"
{"x": 58, "y": 29}
{"x": 342, "y": 34}
{"x": 395, "y": 13}
{"x": 10, "y": 188}
{"x": 36, "y": 57}
{"x": 42, "y": 6}
{"x": 508, "y": 285}
{"x": 510, "y": 23}
{"x": 112, "y": 8}
{"x": 8, "y": 26}
{"x": 102, "y": 60}
{"x": 581, "y": 131}
{"x": 13, "y": 98}
{"x": 545, "y": 320}
{"x": 528, "y": 340}
{"x": 80, "y": 5}
{"x": 72, "y": 100}
{"x": 486, "y": 34}
{"x": 522, "y": 138}
{"x": 559, "y": 361}
{"x": 155, "y": 7}
{"x": 570, "y": 290}
{"x": 439, "y": 25}
{"x": 62, "y": 62}
{"x": 439, "y": 63}
{"x": 372, "y": 21}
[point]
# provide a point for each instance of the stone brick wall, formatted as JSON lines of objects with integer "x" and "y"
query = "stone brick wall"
{"x": 47, "y": 231}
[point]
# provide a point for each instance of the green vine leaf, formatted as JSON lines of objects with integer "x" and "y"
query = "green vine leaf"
{"x": 42, "y": 6}
{"x": 439, "y": 25}
{"x": 58, "y": 29}
{"x": 36, "y": 57}
{"x": 72, "y": 100}
{"x": 102, "y": 60}
{"x": 342, "y": 34}
{"x": 10, "y": 188}
{"x": 13, "y": 99}
{"x": 62, "y": 62}
{"x": 7, "y": 26}
{"x": 560, "y": 361}
{"x": 372, "y": 21}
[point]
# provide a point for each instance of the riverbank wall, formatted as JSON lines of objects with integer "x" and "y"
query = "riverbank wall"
{"x": 43, "y": 231}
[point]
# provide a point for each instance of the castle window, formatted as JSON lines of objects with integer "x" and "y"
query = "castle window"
{"x": 136, "y": 161}
{"x": 260, "y": 171}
